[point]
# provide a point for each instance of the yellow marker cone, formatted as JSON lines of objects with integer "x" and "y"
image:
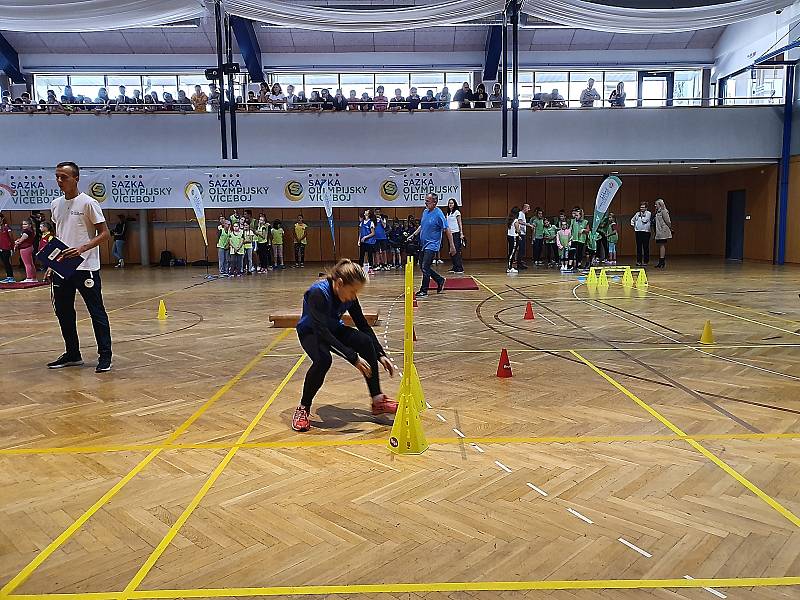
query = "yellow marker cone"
{"x": 627, "y": 278}
{"x": 641, "y": 280}
{"x": 591, "y": 279}
{"x": 708, "y": 335}
{"x": 162, "y": 311}
{"x": 603, "y": 280}
{"x": 407, "y": 436}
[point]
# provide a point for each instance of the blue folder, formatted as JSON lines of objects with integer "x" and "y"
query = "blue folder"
{"x": 50, "y": 256}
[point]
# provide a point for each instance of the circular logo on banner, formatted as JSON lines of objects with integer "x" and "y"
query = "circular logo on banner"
{"x": 393, "y": 442}
{"x": 97, "y": 190}
{"x": 187, "y": 191}
{"x": 293, "y": 191}
{"x": 389, "y": 191}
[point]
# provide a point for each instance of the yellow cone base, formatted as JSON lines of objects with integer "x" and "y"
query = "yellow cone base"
{"x": 591, "y": 279}
{"x": 162, "y": 311}
{"x": 627, "y": 278}
{"x": 641, "y": 280}
{"x": 407, "y": 436}
{"x": 602, "y": 281}
{"x": 708, "y": 335}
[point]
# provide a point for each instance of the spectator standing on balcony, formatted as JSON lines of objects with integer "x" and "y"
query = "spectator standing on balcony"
{"x": 557, "y": 100}
{"x": 429, "y": 101}
{"x": 52, "y": 101}
{"x": 617, "y": 97}
{"x": 169, "y": 103}
{"x": 68, "y": 97}
{"x": 353, "y": 103}
{"x": 199, "y": 100}
{"x": 277, "y": 101}
{"x": 641, "y": 223}
{"x": 6, "y": 105}
{"x": 444, "y": 98}
{"x": 183, "y": 103}
{"x": 366, "y": 103}
{"x": 301, "y": 102}
{"x": 413, "y": 100}
{"x": 397, "y": 102}
{"x": 123, "y": 100}
{"x": 380, "y": 102}
{"x": 315, "y": 102}
{"x": 291, "y": 97}
{"x": 149, "y": 104}
{"x": 263, "y": 97}
{"x": 214, "y": 97}
{"x": 327, "y": 100}
{"x": 480, "y": 96}
{"x": 252, "y": 100}
{"x": 663, "y": 232}
{"x": 464, "y": 96}
{"x": 496, "y": 97}
{"x": 137, "y": 98}
{"x": 589, "y": 95}
{"x": 157, "y": 104}
{"x": 339, "y": 101}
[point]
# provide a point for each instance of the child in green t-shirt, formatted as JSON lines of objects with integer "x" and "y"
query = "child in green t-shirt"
{"x": 612, "y": 235}
{"x": 591, "y": 248}
{"x": 277, "y": 243}
{"x": 580, "y": 227}
{"x": 551, "y": 250}
{"x": 223, "y": 233}
{"x": 236, "y": 250}
{"x": 249, "y": 237}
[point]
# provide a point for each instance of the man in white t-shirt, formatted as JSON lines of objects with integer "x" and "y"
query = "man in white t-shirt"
{"x": 81, "y": 226}
{"x": 522, "y": 217}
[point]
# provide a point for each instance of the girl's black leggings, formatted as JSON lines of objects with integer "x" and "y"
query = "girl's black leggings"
{"x": 512, "y": 250}
{"x": 367, "y": 250}
{"x": 320, "y": 354}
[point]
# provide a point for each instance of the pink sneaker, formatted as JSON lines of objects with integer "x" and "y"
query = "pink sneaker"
{"x": 300, "y": 420}
{"x": 384, "y": 405}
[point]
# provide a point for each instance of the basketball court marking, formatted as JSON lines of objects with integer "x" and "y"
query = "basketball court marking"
{"x": 491, "y": 291}
{"x": 408, "y": 588}
{"x": 694, "y": 444}
{"x": 187, "y": 512}
{"x": 26, "y": 572}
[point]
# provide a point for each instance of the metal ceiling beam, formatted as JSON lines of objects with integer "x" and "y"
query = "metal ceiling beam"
{"x": 249, "y": 47}
{"x": 494, "y": 49}
{"x": 9, "y": 61}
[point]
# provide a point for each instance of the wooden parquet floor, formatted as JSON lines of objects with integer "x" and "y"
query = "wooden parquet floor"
{"x": 621, "y": 460}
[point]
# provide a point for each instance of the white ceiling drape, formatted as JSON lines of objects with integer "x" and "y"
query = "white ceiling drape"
{"x": 302, "y": 16}
{"x": 616, "y": 19}
{"x": 94, "y": 15}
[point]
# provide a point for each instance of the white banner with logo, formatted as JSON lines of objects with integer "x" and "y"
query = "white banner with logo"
{"x": 239, "y": 188}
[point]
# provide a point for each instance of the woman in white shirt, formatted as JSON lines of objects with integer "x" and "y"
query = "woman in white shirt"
{"x": 512, "y": 236}
{"x": 276, "y": 98}
{"x": 456, "y": 228}
{"x": 641, "y": 225}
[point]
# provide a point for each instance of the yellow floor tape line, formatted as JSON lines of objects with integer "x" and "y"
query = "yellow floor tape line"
{"x": 491, "y": 291}
{"x": 176, "y": 527}
{"x": 695, "y": 444}
{"x": 56, "y": 543}
{"x": 335, "y": 442}
{"x": 447, "y": 587}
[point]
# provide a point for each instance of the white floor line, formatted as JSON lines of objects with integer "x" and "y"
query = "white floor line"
{"x": 502, "y": 466}
{"x": 478, "y": 448}
{"x": 537, "y": 489}
{"x": 426, "y": 403}
{"x": 635, "y": 547}
{"x": 580, "y": 516}
{"x": 458, "y": 433}
{"x": 717, "y": 593}
{"x": 441, "y": 418}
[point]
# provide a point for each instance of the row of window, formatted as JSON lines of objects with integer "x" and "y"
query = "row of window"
{"x": 764, "y": 85}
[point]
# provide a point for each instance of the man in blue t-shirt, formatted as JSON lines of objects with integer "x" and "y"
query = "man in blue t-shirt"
{"x": 431, "y": 226}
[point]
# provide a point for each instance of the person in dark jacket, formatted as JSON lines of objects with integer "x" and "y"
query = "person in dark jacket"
{"x": 322, "y": 332}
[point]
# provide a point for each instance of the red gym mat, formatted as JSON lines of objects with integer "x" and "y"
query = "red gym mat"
{"x": 22, "y": 286}
{"x": 456, "y": 283}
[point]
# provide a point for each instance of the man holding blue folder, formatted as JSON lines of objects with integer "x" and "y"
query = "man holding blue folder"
{"x": 81, "y": 226}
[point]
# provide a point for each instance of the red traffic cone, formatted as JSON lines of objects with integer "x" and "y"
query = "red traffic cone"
{"x": 414, "y": 333}
{"x": 504, "y": 367}
{"x": 529, "y": 316}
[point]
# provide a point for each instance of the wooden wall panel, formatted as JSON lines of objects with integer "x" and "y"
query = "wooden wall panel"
{"x": 476, "y": 205}
{"x": 536, "y": 191}
{"x": 573, "y": 195}
{"x": 498, "y": 197}
{"x": 554, "y": 196}
{"x": 793, "y": 213}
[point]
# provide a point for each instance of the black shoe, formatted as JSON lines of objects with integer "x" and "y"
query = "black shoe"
{"x": 521, "y": 266}
{"x": 440, "y": 286}
{"x": 65, "y": 361}
{"x": 103, "y": 365}
{"x": 421, "y": 294}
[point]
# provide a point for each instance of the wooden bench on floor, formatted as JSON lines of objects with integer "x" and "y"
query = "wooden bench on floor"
{"x": 286, "y": 319}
